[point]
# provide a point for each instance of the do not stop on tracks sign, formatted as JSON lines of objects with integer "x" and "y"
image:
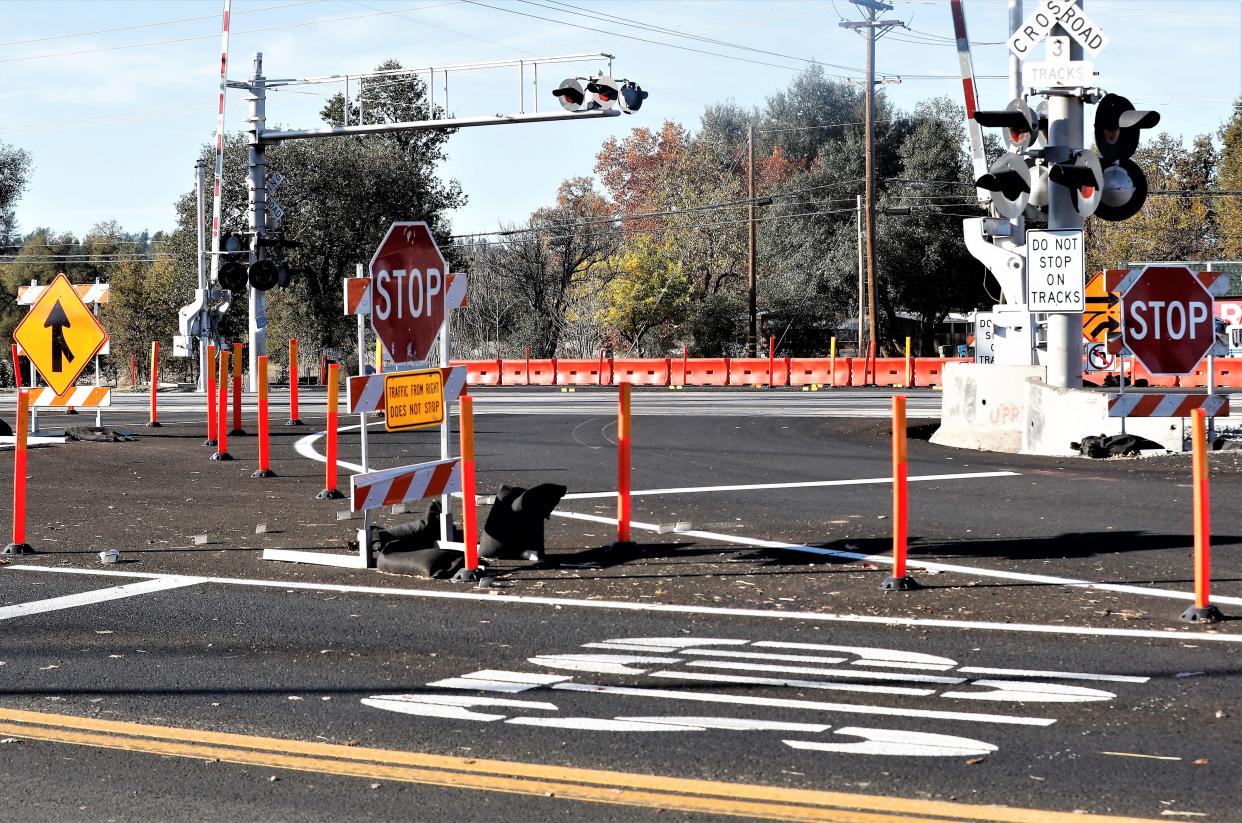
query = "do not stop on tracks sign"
{"x": 1166, "y": 316}
{"x": 408, "y": 276}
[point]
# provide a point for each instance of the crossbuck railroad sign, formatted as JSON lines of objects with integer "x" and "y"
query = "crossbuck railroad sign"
{"x": 1068, "y": 16}
{"x": 60, "y": 335}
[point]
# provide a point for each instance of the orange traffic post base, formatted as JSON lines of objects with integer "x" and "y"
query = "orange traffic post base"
{"x": 330, "y": 491}
{"x": 623, "y": 465}
{"x": 222, "y": 415}
{"x": 211, "y": 397}
{"x": 19, "y": 544}
{"x": 1202, "y": 611}
{"x": 237, "y": 429}
{"x": 154, "y": 421}
{"x": 293, "y": 420}
{"x": 265, "y": 463}
{"x": 469, "y": 573}
{"x": 900, "y": 580}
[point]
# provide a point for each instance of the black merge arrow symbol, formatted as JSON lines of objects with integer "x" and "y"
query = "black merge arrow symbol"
{"x": 57, "y": 321}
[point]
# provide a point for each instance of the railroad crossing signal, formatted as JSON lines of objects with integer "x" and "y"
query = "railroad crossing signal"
{"x": 60, "y": 335}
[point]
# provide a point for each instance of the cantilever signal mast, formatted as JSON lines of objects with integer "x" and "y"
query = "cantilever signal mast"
{"x": 872, "y": 24}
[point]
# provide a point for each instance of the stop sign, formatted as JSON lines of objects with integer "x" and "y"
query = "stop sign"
{"x": 1166, "y": 319}
{"x": 408, "y": 274}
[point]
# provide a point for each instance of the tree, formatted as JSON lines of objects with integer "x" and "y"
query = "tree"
{"x": 14, "y": 168}
{"x": 562, "y": 250}
{"x": 1229, "y": 207}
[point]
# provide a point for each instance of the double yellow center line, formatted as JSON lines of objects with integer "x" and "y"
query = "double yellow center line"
{"x": 585, "y": 785}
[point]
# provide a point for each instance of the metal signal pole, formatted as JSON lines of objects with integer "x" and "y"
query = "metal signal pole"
{"x": 871, "y": 24}
{"x": 752, "y": 334}
{"x": 257, "y": 186}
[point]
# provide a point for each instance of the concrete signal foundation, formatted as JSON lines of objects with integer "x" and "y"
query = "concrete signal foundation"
{"x": 1012, "y": 409}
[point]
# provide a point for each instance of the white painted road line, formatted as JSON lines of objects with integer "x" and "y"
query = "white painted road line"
{"x": 71, "y": 601}
{"x": 809, "y": 705}
{"x": 974, "y": 571}
{"x": 869, "y": 688}
{"x": 1180, "y": 636}
{"x": 810, "y": 484}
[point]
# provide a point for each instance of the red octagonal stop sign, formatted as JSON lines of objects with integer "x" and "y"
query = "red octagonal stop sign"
{"x": 1166, "y": 319}
{"x": 408, "y": 275}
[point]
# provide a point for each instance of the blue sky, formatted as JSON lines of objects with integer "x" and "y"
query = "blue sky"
{"x": 113, "y": 98}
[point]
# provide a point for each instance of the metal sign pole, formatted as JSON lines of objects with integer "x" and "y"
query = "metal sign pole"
{"x": 362, "y": 370}
{"x": 257, "y": 213}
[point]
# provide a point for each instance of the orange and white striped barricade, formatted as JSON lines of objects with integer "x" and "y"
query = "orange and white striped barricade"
{"x": 85, "y": 397}
{"x": 1139, "y": 404}
{"x": 404, "y": 484}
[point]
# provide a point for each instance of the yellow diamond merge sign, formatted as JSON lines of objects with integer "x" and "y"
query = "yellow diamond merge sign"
{"x": 60, "y": 335}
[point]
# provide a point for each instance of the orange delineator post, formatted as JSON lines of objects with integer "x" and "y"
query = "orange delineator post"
{"x": 19, "y": 544}
{"x": 237, "y": 389}
{"x": 330, "y": 492}
{"x": 211, "y": 397}
{"x": 469, "y": 515}
{"x": 294, "y": 420}
{"x": 771, "y": 360}
{"x": 133, "y": 369}
{"x": 832, "y": 358}
{"x": 909, "y": 366}
{"x": 154, "y": 421}
{"x": 899, "y": 580}
{"x": 222, "y": 429}
{"x": 623, "y": 463}
{"x": 17, "y": 368}
{"x": 1202, "y": 611}
{"x": 265, "y": 465}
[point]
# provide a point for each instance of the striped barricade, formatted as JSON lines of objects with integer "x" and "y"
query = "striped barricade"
{"x": 80, "y": 397}
{"x": 404, "y": 484}
{"x": 1167, "y": 405}
{"x": 89, "y": 292}
{"x": 366, "y": 393}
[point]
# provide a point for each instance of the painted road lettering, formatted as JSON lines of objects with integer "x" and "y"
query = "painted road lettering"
{"x": 844, "y": 668}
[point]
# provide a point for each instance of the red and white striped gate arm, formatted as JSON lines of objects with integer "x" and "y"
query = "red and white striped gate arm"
{"x": 1167, "y": 405}
{"x": 366, "y": 394}
{"x": 405, "y": 484}
{"x": 84, "y": 397}
{"x": 357, "y": 295}
{"x": 219, "y": 170}
{"x": 971, "y": 94}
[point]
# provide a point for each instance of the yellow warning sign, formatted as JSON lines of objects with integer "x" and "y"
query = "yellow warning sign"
{"x": 1101, "y": 319}
{"x": 60, "y": 335}
{"x": 413, "y": 399}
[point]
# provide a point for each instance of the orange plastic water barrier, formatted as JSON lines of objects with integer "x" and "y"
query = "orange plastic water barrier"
{"x": 705, "y": 372}
{"x": 587, "y": 371}
{"x": 513, "y": 372}
{"x": 750, "y": 371}
{"x": 542, "y": 373}
{"x": 480, "y": 372}
{"x": 642, "y": 372}
{"x": 929, "y": 371}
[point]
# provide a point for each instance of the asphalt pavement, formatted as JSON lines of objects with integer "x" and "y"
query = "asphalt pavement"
{"x": 740, "y": 661}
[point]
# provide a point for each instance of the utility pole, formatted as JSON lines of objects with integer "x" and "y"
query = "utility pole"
{"x": 858, "y": 210}
{"x": 752, "y": 334}
{"x": 872, "y": 8}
